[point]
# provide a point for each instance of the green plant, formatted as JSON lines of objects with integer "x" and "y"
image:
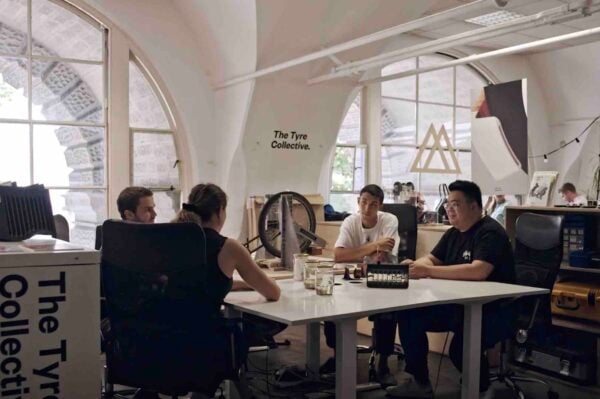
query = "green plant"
{"x": 596, "y": 181}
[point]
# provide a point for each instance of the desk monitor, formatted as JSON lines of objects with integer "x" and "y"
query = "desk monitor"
{"x": 25, "y": 211}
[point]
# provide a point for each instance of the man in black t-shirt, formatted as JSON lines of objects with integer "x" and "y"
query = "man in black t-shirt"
{"x": 475, "y": 248}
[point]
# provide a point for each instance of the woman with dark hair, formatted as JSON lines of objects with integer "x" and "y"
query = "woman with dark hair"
{"x": 206, "y": 206}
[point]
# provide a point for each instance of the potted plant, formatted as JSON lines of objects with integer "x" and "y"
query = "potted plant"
{"x": 596, "y": 182}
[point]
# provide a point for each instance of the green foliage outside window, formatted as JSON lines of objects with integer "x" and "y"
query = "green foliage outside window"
{"x": 343, "y": 169}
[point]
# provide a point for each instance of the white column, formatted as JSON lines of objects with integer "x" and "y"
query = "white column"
{"x": 118, "y": 148}
{"x": 471, "y": 351}
{"x": 345, "y": 359}
{"x": 370, "y": 124}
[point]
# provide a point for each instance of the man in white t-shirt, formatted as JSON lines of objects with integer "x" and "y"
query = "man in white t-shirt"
{"x": 570, "y": 196}
{"x": 369, "y": 233}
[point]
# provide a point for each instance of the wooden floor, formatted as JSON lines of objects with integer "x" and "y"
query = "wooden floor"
{"x": 263, "y": 365}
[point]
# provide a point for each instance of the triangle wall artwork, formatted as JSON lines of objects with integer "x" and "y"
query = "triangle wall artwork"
{"x": 432, "y": 143}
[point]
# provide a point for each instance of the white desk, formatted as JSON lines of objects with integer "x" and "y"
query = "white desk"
{"x": 350, "y": 302}
{"x": 50, "y": 322}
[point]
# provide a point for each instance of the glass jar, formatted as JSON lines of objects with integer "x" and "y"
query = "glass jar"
{"x": 299, "y": 260}
{"x": 324, "y": 281}
{"x": 310, "y": 269}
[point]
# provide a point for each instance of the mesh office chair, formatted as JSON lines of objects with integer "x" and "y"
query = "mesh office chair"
{"x": 161, "y": 338}
{"x": 538, "y": 254}
{"x": 407, "y": 231}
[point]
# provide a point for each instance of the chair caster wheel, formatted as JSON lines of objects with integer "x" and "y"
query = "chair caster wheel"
{"x": 552, "y": 395}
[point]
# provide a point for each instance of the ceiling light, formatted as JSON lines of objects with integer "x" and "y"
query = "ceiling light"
{"x": 494, "y": 18}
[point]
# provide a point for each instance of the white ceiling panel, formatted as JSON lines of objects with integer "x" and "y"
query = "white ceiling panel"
{"x": 547, "y": 31}
{"x": 453, "y": 28}
{"x": 511, "y": 39}
{"x": 592, "y": 21}
{"x": 533, "y": 7}
{"x": 526, "y": 7}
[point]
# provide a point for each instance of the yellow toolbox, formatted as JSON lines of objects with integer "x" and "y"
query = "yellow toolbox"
{"x": 576, "y": 299}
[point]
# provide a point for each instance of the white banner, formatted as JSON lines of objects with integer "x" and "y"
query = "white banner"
{"x": 50, "y": 332}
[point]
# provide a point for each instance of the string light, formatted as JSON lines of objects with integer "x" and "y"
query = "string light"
{"x": 563, "y": 145}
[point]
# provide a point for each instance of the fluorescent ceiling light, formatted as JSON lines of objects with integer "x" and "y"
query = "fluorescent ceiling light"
{"x": 494, "y": 18}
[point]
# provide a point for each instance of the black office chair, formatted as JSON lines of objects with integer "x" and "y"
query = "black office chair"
{"x": 407, "y": 230}
{"x": 160, "y": 338}
{"x": 538, "y": 255}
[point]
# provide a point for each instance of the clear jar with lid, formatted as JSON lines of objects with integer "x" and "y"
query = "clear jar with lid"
{"x": 299, "y": 260}
{"x": 310, "y": 270}
{"x": 324, "y": 281}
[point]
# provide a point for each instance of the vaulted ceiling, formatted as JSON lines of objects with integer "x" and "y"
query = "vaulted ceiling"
{"x": 239, "y": 37}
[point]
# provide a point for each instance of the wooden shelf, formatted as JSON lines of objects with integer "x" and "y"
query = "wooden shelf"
{"x": 554, "y": 209}
{"x": 576, "y": 324}
{"x": 566, "y": 267}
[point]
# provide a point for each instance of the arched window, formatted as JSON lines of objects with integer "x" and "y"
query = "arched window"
{"x": 348, "y": 168}
{"x": 155, "y": 163}
{"x": 54, "y": 108}
{"x": 409, "y": 106}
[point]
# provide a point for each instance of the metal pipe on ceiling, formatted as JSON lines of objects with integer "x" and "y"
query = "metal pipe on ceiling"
{"x": 361, "y": 41}
{"x": 487, "y": 55}
{"x": 550, "y": 16}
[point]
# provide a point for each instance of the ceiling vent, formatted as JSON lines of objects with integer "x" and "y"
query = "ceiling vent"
{"x": 494, "y": 18}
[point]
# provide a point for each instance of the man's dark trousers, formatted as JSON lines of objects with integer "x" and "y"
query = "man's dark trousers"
{"x": 415, "y": 323}
{"x": 384, "y": 333}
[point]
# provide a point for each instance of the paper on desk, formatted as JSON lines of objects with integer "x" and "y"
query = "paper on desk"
{"x": 47, "y": 245}
{"x": 10, "y": 248}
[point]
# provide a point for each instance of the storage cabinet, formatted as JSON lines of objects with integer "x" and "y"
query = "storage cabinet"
{"x": 579, "y": 234}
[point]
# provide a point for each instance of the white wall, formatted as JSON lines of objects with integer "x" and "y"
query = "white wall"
{"x": 284, "y": 101}
{"x": 570, "y": 83}
{"x": 233, "y": 104}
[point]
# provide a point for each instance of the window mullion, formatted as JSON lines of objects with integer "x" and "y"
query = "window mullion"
{"x": 29, "y": 89}
{"x": 417, "y": 123}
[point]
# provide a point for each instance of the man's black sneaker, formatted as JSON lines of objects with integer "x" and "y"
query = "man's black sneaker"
{"x": 328, "y": 367}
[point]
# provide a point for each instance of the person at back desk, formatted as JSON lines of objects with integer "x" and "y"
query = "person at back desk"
{"x": 474, "y": 248}
{"x": 373, "y": 234}
{"x": 570, "y": 196}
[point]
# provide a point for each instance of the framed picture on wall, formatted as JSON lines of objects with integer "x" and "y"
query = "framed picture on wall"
{"x": 541, "y": 188}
